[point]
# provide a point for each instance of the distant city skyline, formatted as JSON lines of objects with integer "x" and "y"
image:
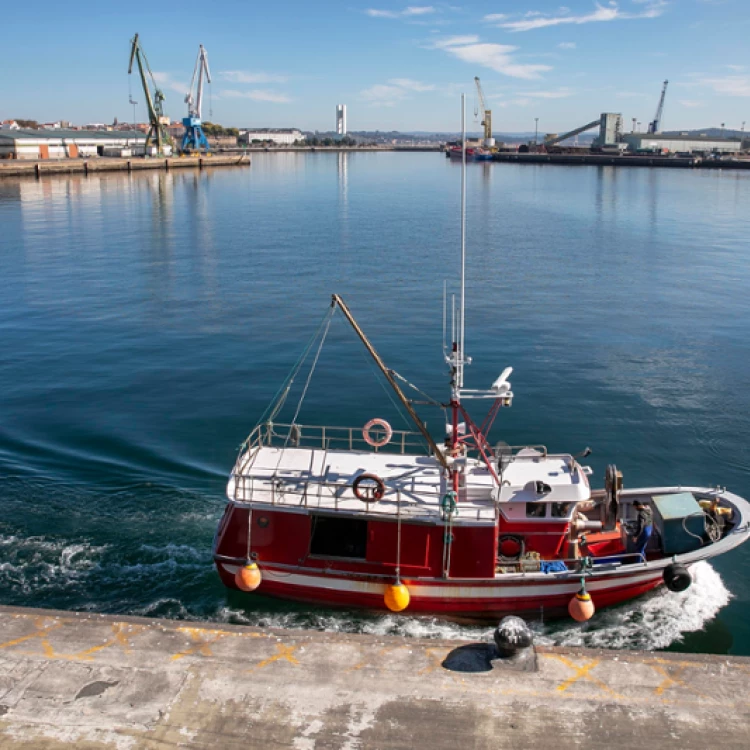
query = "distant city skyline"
{"x": 396, "y": 66}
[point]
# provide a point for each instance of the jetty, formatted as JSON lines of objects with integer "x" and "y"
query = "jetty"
{"x": 71, "y": 680}
{"x": 40, "y": 167}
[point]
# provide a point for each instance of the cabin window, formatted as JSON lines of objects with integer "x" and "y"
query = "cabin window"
{"x": 338, "y": 537}
{"x": 561, "y": 510}
{"x": 536, "y": 510}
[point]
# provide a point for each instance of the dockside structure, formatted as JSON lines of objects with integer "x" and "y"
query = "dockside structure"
{"x": 64, "y": 144}
{"x": 692, "y": 144}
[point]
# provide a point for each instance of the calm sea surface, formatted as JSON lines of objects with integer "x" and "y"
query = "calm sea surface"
{"x": 146, "y": 321}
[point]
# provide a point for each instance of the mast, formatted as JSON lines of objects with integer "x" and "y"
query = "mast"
{"x": 336, "y": 300}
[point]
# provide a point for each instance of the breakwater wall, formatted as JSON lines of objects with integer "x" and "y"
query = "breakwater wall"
{"x": 614, "y": 160}
{"x": 38, "y": 168}
{"x": 81, "y": 680}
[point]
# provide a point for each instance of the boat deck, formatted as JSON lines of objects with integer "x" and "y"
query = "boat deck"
{"x": 321, "y": 479}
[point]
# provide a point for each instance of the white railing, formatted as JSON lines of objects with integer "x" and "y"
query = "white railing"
{"x": 330, "y": 438}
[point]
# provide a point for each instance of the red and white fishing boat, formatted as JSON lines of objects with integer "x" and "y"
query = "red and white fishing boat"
{"x": 389, "y": 520}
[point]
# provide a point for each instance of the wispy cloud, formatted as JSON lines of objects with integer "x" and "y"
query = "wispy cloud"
{"x": 560, "y": 93}
{"x": 257, "y": 95}
{"x": 497, "y": 57}
{"x": 410, "y": 85}
{"x": 737, "y": 68}
{"x": 601, "y": 13}
{"x": 691, "y": 103}
{"x": 729, "y": 85}
{"x": 567, "y": 45}
{"x": 494, "y": 17}
{"x": 242, "y": 76}
{"x": 166, "y": 81}
{"x": 409, "y": 12}
{"x": 395, "y": 91}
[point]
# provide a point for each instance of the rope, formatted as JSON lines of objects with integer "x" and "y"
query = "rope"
{"x": 310, "y": 374}
{"x": 429, "y": 398}
{"x": 279, "y": 398}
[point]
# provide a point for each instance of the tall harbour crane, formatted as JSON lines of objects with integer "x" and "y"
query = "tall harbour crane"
{"x": 157, "y": 132}
{"x": 655, "y": 125}
{"x": 193, "y": 139}
{"x": 489, "y": 141}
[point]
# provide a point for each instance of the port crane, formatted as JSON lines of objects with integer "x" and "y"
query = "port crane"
{"x": 489, "y": 141}
{"x": 655, "y": 125}
{"x": 193, "y": 139}
{"x": 157, "y": 132}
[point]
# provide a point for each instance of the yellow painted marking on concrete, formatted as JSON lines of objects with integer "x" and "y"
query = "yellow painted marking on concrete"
{"x": 120, "y": 637}
{"x": 202, "y": 645}
{"x": 674, "y": 677}
{"x": 43, "y": 629}
{"x": 437, "y": 656}
{"x": 376, "y": 662}
{"x": 282, "y": 652}
{"x": 581, "y": 672}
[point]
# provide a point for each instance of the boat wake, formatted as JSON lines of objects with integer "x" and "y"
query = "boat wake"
{"x": 653, "y": 622}
{"x": 177, "y": 581}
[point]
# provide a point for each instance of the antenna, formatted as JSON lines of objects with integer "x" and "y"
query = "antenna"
{"x": 460, "y": 348}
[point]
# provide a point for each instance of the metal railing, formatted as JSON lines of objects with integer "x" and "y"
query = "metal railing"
{"x": 330, "y": 438}
{"x": 318, "y": 494}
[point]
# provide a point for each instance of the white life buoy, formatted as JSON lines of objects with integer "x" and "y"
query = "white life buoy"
{"x": 383, "y": 425}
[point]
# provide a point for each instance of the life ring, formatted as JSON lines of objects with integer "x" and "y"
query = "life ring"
{"x": 510, "y": 548}
{"x": 373, "y": 490}
{"x": 370, "y": 440}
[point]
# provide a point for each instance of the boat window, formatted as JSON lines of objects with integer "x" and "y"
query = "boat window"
{"x": 536, "y": 510}
{"x": 338, "y": 537}
{"x": 561, "y": 510}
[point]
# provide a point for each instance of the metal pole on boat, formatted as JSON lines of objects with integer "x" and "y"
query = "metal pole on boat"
{"x": 460, "y": 352}
{"x": 336, "y": 300}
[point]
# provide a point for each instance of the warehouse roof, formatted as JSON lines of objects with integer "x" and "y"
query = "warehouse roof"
{"x": 666, "y": 137}
{"x": 28, "y": 134}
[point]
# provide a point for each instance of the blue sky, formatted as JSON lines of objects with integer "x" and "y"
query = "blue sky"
{"x": 396, "y": 65}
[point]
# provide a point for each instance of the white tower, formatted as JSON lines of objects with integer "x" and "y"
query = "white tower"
{"x": 341, "y": 119}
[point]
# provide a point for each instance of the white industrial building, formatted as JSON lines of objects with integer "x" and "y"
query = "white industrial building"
{"x": 691, "y": 144}
{"x": 282, "y": 136}
{"x": 64, "y": 144}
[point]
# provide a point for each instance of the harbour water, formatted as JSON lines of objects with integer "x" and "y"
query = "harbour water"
{"x": 148, "y": 319}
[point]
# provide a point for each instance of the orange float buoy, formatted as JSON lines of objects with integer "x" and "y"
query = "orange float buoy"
{"x": 580, "y": 607}
{"x": 248, "y": 577}
{"x": 397, "y": 597}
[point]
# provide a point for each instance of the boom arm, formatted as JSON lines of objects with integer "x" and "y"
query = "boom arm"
{"x": 655, "y": 126}
{"x": 195, "y": 105}
{"x": 156, "y": 131}
{"x": 486, "y": 113}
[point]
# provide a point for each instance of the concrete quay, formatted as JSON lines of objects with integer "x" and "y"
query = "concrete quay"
{"x": 92, "y": 681}
{"x": 623, "y": 160}
{"x": 38, "y": 168}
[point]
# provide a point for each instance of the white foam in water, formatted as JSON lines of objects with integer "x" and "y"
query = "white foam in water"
{"x": 651, "y": 622}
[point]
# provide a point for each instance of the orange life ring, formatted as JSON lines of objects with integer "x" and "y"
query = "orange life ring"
{"x": 370, "y": 440}
{"x": 373, "y": 490}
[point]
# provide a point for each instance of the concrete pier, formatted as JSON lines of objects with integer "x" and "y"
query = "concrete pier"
{"x": 37, "y": 168}
{"x": 89, "y": 681}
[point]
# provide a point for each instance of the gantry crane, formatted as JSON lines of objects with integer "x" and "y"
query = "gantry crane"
{"x": 655, "y": 125}
{"x": 157, "y": 132}
{"x": 489, "y": 141}
{"x": 194, "y": 138}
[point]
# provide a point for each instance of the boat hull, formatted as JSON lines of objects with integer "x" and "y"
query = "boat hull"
{"x": 529, "y": 594}
{"x": 475, "y": 600}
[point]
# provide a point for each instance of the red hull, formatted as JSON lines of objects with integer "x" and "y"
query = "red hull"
{"x": 477, "y": 600}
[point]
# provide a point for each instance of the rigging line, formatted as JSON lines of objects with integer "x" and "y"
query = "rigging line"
{"x": 279, "y": 398}
{"x": 411, "y": 385}
{"x": 310, "y": 374}
{"x": 397, "y": 406}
